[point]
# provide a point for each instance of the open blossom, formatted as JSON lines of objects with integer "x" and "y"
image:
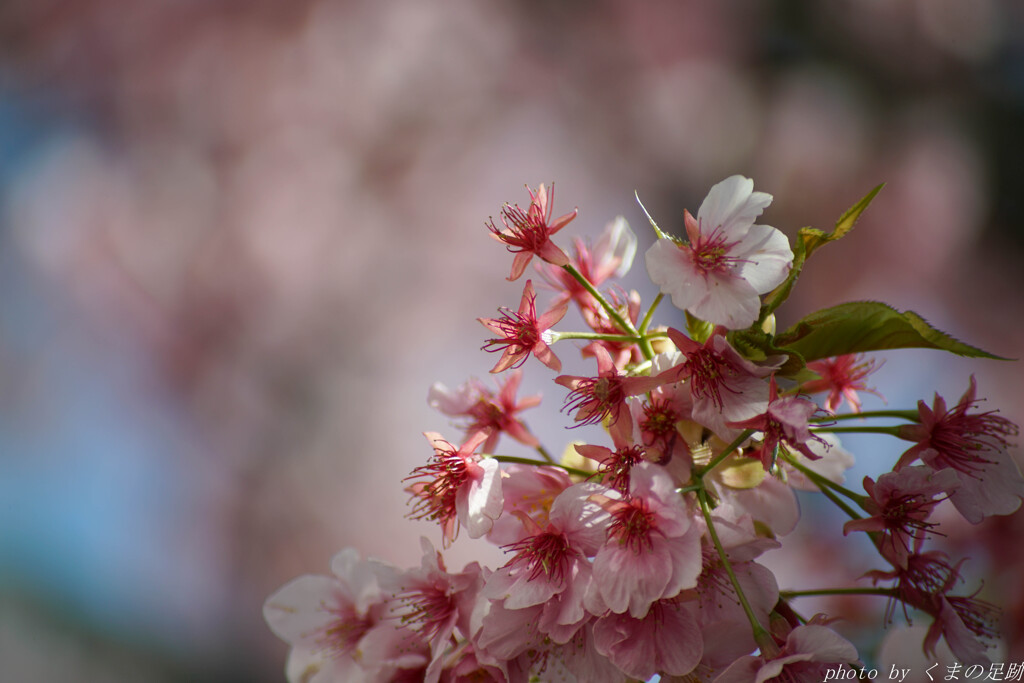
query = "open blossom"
{"x": 653, "y": 549}
{"x": 339, "y": 626}
{"x": 612, "y": 255}
{"x": 899, "y": 506}
{"x": 431, "y": 602}
{"x": 522, "y": 333}
{"x": 973, "y": 444}
{"x": 965, "y": 622}
{"x": 784, "y": 423}
{"x": 552, "y": 559}
{"x": 614, "y": 465}
{"x": 724, "y": 385}
{"x": 528, "y": 233}
{"x": 728, "y": 262}
{"x": 809, "y": 651}
{"x": 842, "y": 377}
{"x": 604, "y": 397}
{"x": 487, "y": 412}
{"x": 530, "y": 491}
{"x": 667, "y": 639}
{"x": 457, "y": 487}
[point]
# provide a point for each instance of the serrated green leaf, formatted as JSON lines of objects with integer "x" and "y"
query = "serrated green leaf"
{"x": 810, "y": 240}
{"x": 861, "y": 326}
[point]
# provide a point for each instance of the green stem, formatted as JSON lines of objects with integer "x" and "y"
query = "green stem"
{"x": 559, "y": 336}
{"x": 537, "y": 463}
{"x": 717, "y": 460}
{"x": 911, "y": 415}
{"x": 547, "y": 456}
{"x": 839, "y": 502}
{"x": 761, "y": 635}
{"x": 891, "y": 431}
{"x": 888, "y": 592}
{"x": 824, "y": 482}
{"x": 623, "y": 324}
{"x": 646, "y": 322}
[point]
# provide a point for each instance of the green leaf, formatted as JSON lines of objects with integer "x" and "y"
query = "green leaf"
{"x": 807, "y": 242}
{"x": 758, "y": 346}
{"x": 843, "y": 225}
{"x": 861, "y": 326}
{"x": 657, "y": 230}
{"x": 699, "y": 330}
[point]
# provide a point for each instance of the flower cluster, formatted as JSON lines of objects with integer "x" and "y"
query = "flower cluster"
{"x": 637, "y": 555}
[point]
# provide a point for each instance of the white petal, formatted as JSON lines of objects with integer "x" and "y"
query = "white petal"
{"x": 767, "y": 258}
{"x": 295, "y": 613}
{"x": 617, "y": 241}
{"x": 729, "y": 301}
{"x": 483, "y": 500}
{"x": 672, "y": 270}
{"x": 732, "y": 205}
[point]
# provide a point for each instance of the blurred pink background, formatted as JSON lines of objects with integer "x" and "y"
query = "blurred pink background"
{"x": 240, "y": 240}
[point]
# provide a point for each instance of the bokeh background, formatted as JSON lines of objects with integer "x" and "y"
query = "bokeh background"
{"x": 239, "y": 239}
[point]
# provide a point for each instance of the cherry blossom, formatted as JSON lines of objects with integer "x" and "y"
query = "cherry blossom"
{"x": 457, "y": 487}
{"x": 724, "y": 385}
{"x": 727, "y": 262}
{"x": 527, "y": 490}
{"x": 666, "y": 639}
{"x": 784, "y": 423}
{"x": 487, "y": 412}
{"x": 611, "y": 256}
{"x": 808, "y": 652}
{"x": 652, "y": 551}
{"x": 523, "y": 333}
{"x": 528, "y": 233}
{"x": 842, "y": 377}
{"x": 604, "y": 397}
{"x": 431, "y": 601}
{"x": 333, "y": 622}
{"x": 963, "y": 621}
{"x": 972, "y": 444}
{"x": 899, "y": 506}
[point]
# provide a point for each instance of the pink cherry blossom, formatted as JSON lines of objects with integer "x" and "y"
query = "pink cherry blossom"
{"x": 728, "y": 261}
{"x": 551, "y": 558}
{"x": 612, "y": 255}
{"x": 487, "y": 412}
{"x": 340, "y": 627}
{"x": 615, "y": 465}
{"x": 432, "y": 601}
{"x": 974, "y": 445}
{"x": 784, "y": 423}
{"x": 597, "y": 398}
{"x": 522, "y": 333}
{"x": 657, "y": 419}
{"x": 808, "y": 652}
{"x": 899, "y": 505}
{"x": 528, "y": 233}
{"x": 528, "y": 490}
{"x": 457, "y": 487}
{"x": 667, "y": 639}
{"x": 842, "y": 377}
{"x": 724, "y": 385}
{"x": 963, "y": 621}
{"x": 652, "y": 551}
{"x": 723, "y": 621}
